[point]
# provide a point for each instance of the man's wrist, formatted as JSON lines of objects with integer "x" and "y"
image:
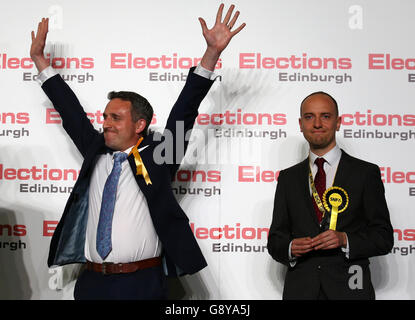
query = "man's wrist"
{"x": 210, "y": 58}
{"x": 344, "y": 240}
{"x": 40, "y": 62}
{"x": 346, "y": 248}
{"x": 45, "y": 74}
{"x": 203, "y": 72}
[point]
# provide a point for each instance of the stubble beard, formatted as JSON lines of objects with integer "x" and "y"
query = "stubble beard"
{"x": 320, "y": 143}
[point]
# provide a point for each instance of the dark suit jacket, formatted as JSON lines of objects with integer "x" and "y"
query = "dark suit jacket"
{"x": 180, "y": 249}
{"x": 366, "y": 222}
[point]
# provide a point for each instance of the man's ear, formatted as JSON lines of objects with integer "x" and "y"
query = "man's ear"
{"x": 339, "y": 122}
{"x": 140, "y": 125}
{"x": 300, "y": 123}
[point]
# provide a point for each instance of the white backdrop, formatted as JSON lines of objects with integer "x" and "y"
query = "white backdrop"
{"x": 361, "y": 52}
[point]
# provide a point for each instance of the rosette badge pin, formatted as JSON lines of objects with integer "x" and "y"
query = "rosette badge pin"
{"x": 335, "y": 201}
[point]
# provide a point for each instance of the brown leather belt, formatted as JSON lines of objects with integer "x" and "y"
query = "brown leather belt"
{"x": 113, "y": 268}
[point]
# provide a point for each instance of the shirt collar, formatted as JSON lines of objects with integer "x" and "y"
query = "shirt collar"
{"x": 127, "y": 151}
{"x": 331, "y": 157}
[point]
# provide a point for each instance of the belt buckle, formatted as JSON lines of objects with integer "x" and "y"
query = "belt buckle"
{"x": 104, "y": 267}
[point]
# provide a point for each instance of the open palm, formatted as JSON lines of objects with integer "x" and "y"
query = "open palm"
{"x": 38, "y": 45}
{"x": 220, "y": 35}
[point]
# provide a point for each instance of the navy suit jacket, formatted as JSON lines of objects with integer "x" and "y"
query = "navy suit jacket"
{"x": 181, "y": 252}
{"x": 366, "y": 222}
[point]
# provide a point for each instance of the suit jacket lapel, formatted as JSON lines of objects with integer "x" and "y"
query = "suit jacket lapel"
{"x": 342, "y": 170}
{"x": 92, "y": 156}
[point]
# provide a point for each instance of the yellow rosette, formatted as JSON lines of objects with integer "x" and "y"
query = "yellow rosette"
{"x": 141, "y": 169}
{"x": 335, "y": 201}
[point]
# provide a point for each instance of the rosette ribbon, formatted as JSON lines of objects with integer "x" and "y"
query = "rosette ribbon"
{"x": 141, "y": 169}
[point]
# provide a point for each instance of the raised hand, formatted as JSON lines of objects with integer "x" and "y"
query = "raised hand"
{"x": 219, "y": 36}
{"x": 38, "y": 45}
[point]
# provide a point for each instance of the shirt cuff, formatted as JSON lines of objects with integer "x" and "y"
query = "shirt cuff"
{"x": 292, "y": 260}
{"x": 205, "y": 73}
{"x": 47, "y": 73}
{"x": 347, "y": 249}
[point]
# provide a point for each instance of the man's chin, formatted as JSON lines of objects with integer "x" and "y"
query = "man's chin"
{"x": 319, "y": 145}
{"x": 111, "y": 146}
{"x": 322, "y": 146}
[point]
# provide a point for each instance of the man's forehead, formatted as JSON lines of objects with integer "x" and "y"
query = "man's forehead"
{"x": 117, "y": 105}
{"x": 318, "y": 97}
{"x": 318, "y": 103}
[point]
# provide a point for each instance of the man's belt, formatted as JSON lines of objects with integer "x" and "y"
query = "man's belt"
{"x": 113, "y": 268}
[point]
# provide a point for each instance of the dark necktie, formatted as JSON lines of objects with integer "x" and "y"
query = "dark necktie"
{"x": 104, "y": 244}
{"x": 320, "y": 183}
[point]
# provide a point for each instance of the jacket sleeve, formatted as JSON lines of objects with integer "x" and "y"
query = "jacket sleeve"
{"x": 376, "y": 236}
{"x": 183, "y": 115}
{"x": 279, "y": 237}
{"x": 74, "y": 119}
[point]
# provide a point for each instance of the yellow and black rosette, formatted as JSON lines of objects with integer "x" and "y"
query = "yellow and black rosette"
{"x": 335, "y": 201}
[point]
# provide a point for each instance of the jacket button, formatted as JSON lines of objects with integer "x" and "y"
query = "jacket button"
{"x": 319, "y": 267}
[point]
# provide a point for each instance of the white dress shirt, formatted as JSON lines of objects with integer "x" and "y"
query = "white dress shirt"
{"x": 330, "y": 165}
{"x": 133, "y": 235}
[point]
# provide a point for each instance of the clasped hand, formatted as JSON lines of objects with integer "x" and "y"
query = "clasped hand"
{"x": 329, "y": 239}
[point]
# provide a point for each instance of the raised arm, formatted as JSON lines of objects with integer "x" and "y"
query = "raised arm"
{"x": 185, "y": 110}
{"x": 74, "y": 119}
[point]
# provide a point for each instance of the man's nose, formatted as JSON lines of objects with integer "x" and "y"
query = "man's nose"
{"x": 106, "y": 123}
{"x": 317, "y": 122}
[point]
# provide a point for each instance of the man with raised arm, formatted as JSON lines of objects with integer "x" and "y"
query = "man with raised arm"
{"x": 122, "y": 220}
